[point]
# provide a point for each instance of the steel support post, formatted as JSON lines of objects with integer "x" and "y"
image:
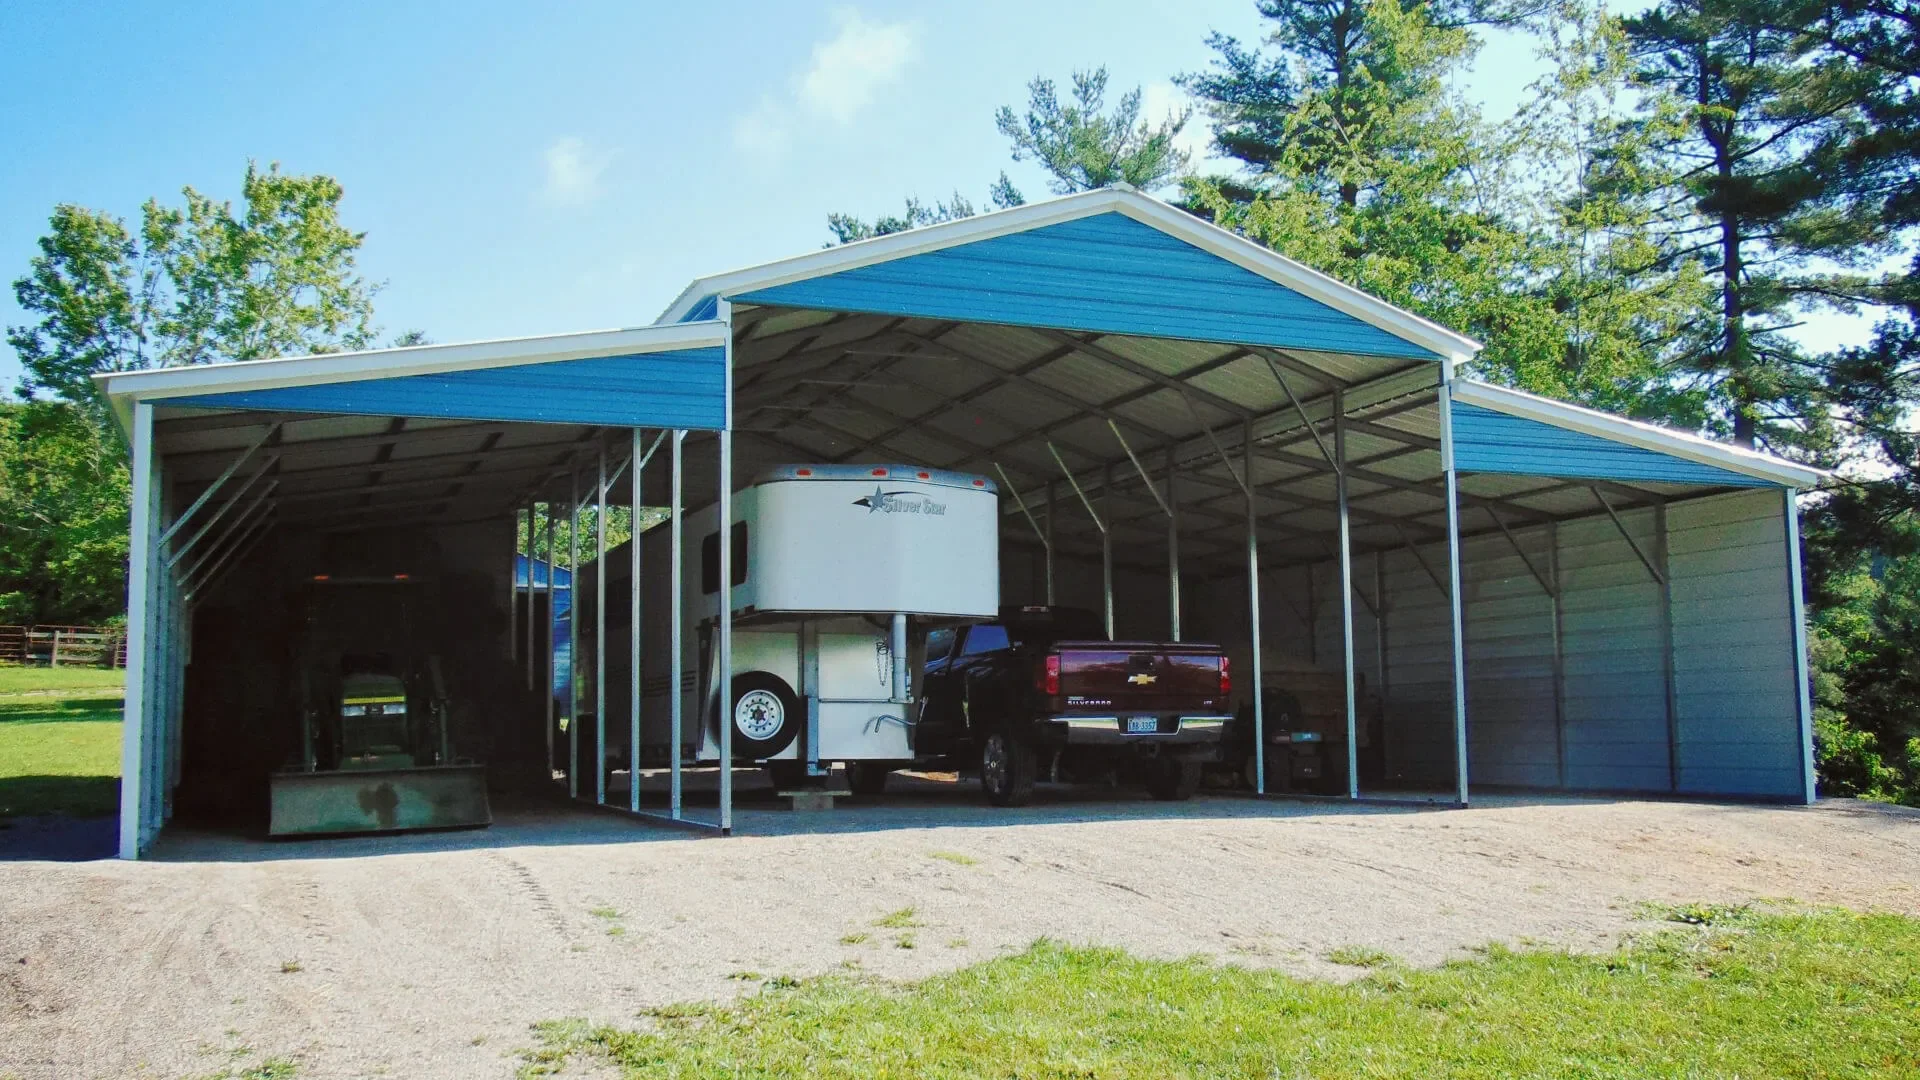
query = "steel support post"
{"x": 638, "y": 635}
{"x": 573, "y": 633}
{"x": 1173, "y": 552}
{"x": 675, "y": 611}
{"x": 553, "y": 644}
{"x": 531, "y": 510}
{"x": 723, "y": 635}
{"x": 1380, "y": 625}
{"x": 1253, "y": 615}
{"x": 143, "y": 569}
{"x": 1559, "y": 656}
{"x": 1106, "y": 550}
{"x": 600, "y": 633}
{"x": 1457, "y": 618}
{"x": 1803, "y": 693}
{"x": 1052, "y": 506}
{"x": 1346, "y": 592}
{"x": 1667, "y": 677}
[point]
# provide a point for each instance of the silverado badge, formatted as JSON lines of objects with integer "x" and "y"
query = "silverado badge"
{"x": 1141, "y": 679}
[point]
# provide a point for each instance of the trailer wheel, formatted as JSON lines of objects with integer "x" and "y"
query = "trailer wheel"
{"x": 1008, "y": 768}
{"x": 765, "y": 717}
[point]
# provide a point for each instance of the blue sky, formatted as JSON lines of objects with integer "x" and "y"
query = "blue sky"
{"x": 520, "y": 172}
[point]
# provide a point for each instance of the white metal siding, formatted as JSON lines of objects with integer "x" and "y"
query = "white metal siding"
{"x": 1739, "y": 730}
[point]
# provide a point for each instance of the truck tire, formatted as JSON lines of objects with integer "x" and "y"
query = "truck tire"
{"x": 765, "y": 717}
{"x": 867, "y": 777}
{"x": 1008, "y": 768}
{"x": 1173, "y": 779}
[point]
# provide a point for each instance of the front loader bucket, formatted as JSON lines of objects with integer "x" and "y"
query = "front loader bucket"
{"x": 379, "y": 800}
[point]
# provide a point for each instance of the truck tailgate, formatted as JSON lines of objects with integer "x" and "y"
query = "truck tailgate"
{"x": 1145, "y": 675}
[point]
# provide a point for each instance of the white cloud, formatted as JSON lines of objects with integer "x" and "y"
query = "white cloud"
{"x": 1159, "y": 100}
{"x": 573, "y": 171}
{"x": 846, "y": 73}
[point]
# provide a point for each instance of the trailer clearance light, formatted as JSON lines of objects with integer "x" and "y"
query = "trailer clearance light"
{"x": 879, "y": 472}
{"x": 1226, "y": 680}
{"x": 1048, "y": 682}
{"x": 803, "y": 472}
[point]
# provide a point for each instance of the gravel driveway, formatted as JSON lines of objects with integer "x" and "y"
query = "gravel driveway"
{"x": 429, "y": 956}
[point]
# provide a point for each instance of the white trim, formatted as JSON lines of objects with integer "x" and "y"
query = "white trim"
{"x": 1120, "y": 199}
{"x": 141, "y": 565}
{"x": 328, "y": 368}
{"x": 1601, "y": 425}
{"x": 1803, "y": 687}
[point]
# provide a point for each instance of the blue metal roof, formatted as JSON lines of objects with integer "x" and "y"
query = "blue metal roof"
{"x": 683, "y": 388}
{"x": 1488, "y": 441}
{"x": 1105, "y": 273}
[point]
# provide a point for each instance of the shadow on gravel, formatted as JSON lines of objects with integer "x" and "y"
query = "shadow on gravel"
{"x": 58, "y": 839}
{"x": 911, "y": 802}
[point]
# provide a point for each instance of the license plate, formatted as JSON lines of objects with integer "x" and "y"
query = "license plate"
{"x": 1142, "y": 725}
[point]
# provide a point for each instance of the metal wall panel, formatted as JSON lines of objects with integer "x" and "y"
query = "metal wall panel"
{"x": 684, "y": 388}
{"x": 1493, "y": 442}
{"x": 1616, "y": 698}
{"x": 1739, "y": 731}
{"x": 1511, "y": 728}
{"x": 1105, "y": 273}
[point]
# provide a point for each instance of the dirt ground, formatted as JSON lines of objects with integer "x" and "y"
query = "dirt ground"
{"x": 430, "y": 956}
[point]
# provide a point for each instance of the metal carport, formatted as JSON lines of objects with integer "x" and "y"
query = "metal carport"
{"x": 1197, "y": 434}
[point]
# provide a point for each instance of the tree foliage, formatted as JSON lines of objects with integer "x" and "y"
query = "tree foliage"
{"x": 202, "y": 282}
{"x": 1083, "y": 146}
{"x": 63, "y": 516}
{"x": 194, "y": 284}
{"x": 1080, "y": 143}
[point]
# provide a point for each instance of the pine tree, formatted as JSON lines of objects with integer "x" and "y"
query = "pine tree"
{"x": 1739, "y": 152}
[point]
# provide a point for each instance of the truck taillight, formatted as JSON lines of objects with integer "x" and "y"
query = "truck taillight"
{"x": 1047, "y": 678}
{"x": 1226, "y": 679}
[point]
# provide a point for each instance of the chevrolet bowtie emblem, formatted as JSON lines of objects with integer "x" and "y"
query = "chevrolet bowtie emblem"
{"x": 1140, "y": 680}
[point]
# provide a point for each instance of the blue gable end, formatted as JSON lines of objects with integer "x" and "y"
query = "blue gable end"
{"x": 1494, "y": 442}
{"x": 677, "y": 389}
{"x": 1106, "y": 273}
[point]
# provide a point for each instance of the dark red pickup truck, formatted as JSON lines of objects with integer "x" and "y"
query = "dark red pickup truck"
{"x": 1042, "y": 693}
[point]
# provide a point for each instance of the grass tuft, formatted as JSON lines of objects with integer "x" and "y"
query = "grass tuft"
{"x": 898, "y": 920}
{"x": 1798, "y": 993}
{"x": 858, "y": 937}
{"x": 957, "y": 858}
{"x": 1359, "y": 956}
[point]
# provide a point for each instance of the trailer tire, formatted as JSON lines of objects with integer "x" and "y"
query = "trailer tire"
{"x": 1008, "y": 768}
{"x": 765, "y": 716}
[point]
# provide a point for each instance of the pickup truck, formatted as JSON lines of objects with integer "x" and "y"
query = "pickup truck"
{"x": 1041, "y": 691}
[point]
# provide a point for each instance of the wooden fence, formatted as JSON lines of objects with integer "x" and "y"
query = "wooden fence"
{"x": 64, "y": 646}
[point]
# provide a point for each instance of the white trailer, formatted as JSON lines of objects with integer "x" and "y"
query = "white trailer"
{"x": 837, "y": 571}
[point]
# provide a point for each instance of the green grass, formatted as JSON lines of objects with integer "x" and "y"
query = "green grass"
{"x": 1359, "y": 956}
{"x": 898, "y": 920}
{"x": 1780, "y": 994}
{"x": 59, "y": 741}
{"x": 957, "y": 858}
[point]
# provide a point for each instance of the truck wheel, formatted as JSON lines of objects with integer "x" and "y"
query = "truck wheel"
{"x": 1008, "y": 768}
{"x": 765, "y": 716}
{"x": 1173, "y": 779}
{"x": 867, "y": 777}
